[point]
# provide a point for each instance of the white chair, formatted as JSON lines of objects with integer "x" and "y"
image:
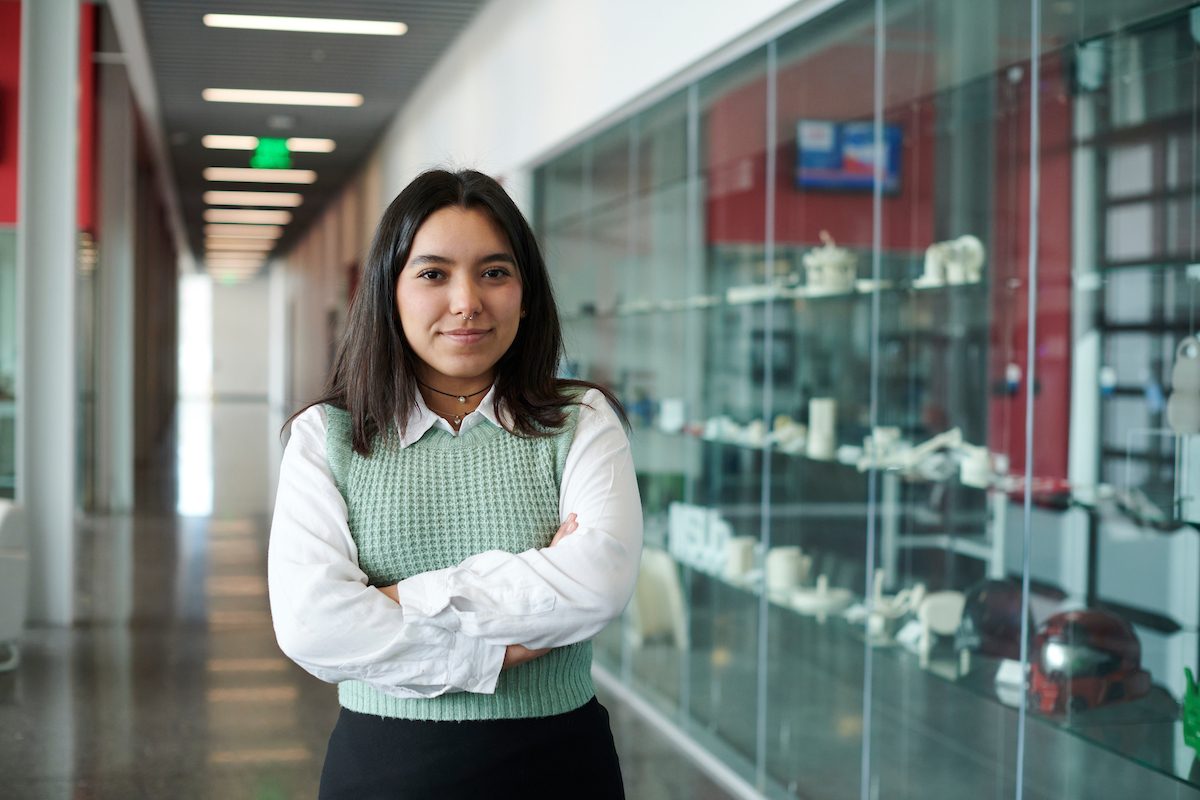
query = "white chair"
{"x": 14, "y": 582}
{"x": 657, "y": 607}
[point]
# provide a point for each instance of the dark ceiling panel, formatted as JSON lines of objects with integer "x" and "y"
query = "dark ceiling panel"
{"x": 188, "y": 57}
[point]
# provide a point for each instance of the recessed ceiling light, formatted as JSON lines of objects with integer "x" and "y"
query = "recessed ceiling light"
{"x": 260, "y": 243}
{"x": 245, "y": 231}
{"x": 249, "y": 175}
{"x": 340, "y": 99}
{"x": 296, "y": 144}
{"x": 305, "y": 24}
{"x": 234, "y": 262}
{"x": 234, "y": 269}
{"x": 299, "y": 144}
{"x": 232, "y": 198}
{"x": 258, "y": 216}
{"x": 234, "y": 243}
{"x": 241, "y": 266}
{"x": 220, "y": 142}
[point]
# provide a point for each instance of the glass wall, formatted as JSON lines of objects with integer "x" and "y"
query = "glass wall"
{"x": 903, "y": 308}
{"x": 8, "y": 360}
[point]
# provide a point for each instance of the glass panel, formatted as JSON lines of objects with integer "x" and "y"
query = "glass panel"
{"x": 659, "y": 346}
{"x": 585, "y": 219}
{"x": 828, "y": 398}
{"x": 820, "y": 340}
{"x": 723, "y": 512}
{"x": 1108, "y": 695}
{"x": 8, "y": 360}
{"x": 87, "y": 356}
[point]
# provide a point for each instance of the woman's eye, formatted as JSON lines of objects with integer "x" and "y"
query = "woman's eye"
{"x": 430, "y": 274}
{"x": 496, "y": 272}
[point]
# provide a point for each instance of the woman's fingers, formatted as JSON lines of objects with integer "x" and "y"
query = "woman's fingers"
{"x": 516, "y": 655}
{"x": 566, "y": 529}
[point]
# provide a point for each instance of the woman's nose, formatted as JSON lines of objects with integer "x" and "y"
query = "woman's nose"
{"x": 464, "y": 298}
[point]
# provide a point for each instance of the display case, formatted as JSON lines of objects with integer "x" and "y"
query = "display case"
{"x": 902, "y": 306}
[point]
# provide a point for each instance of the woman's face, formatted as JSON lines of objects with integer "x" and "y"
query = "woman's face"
{"x": 459, "y": 298}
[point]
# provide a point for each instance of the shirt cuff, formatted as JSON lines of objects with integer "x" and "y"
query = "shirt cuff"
{"x": 474, "y": 664}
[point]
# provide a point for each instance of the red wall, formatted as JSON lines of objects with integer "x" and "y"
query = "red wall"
{"x": 1009, "y": 265}
{"x": 835, "y": 84}
{"x": 86, "y": 202}
{"x": 10, "y": 85}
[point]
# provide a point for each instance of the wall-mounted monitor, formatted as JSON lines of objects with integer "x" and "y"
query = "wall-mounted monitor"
{"x": 840, "y": 156}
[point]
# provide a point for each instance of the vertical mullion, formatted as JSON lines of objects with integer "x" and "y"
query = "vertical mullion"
{"x": 873, "y": 391}
{"x": 1030, "y": 363}
{"x": 692, "y": 267}
{"x": 764, "y": 605}
{"x": 630, "y": 256}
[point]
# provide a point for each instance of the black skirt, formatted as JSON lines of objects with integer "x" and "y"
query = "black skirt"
{"x": 568, "y": 755}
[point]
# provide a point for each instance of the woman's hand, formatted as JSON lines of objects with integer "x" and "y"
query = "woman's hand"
{"x": 517, "y": 655}
{"x": 566, "y": 529}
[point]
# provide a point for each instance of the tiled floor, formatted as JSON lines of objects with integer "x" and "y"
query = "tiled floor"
{"x": 173, "y": 686}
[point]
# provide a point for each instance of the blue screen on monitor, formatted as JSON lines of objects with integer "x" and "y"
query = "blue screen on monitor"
{"x": 841, "y": 155}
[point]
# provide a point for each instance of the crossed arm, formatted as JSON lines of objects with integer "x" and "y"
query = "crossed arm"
{"x": 451, "y": 629}
{"x": 514, "y": 654}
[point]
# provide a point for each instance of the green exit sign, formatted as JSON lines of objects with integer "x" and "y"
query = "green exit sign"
{"x": 271, "y": 154}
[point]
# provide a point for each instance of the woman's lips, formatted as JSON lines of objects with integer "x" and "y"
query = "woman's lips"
{"x": 465, "y": 335}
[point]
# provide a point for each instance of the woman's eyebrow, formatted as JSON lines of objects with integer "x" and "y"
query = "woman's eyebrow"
{"x": 505, "y": 257}
{"x": 422, "y": 260}
{"x": 428, "y": 258}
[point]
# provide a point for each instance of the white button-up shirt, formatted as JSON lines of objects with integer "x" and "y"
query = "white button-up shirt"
{"x": 452, "y": 626}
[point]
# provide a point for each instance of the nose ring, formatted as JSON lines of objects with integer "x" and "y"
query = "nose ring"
{"x": 465, "y": 317}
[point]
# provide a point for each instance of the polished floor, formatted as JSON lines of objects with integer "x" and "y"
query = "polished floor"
{"x": 172, "y": 685}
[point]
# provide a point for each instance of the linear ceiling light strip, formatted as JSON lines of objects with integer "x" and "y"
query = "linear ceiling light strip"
{"x": 287, "y": 98}
{"x": 236, "y": 198}
{"x": 251, "y": 175}
{"x": 296, "y": 144}
{"x": 368, "y": 27}
{"x": 254, "y": 216}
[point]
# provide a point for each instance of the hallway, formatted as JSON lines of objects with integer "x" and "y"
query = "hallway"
{"x": 173, "y": 685}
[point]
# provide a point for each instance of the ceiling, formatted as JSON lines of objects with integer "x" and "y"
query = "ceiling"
{"x": 186, "y": 57}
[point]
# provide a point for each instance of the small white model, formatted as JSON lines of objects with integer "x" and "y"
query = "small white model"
{"x": 829, "y": 269}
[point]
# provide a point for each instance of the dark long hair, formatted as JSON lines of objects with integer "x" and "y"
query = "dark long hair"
{"x": 374, "y": 372}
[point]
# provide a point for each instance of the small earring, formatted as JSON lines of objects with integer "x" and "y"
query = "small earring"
{"x": 523, "y": 313}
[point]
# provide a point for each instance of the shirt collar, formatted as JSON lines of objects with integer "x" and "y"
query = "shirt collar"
{"x": 421, "y": 418}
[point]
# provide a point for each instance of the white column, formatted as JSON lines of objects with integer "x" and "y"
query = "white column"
{"x": 46, "y": 236}
{"x": 115, "y": 312}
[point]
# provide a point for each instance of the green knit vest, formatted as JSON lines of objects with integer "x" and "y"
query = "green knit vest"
{"x": 431, "y": 505}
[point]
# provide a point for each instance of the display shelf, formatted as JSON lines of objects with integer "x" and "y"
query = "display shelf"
{"x": 1147, "y": 730}
{"x": 692, "y": 434}
{"x": 1181, "y": 262}
{"x": 998, "y": 483}
{"x": 764, "y": 293}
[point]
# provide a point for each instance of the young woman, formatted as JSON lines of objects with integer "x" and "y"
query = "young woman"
{"x": 454, "y": 523}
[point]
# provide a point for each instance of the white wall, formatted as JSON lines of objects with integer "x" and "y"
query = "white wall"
{"x": 239, "y": 338}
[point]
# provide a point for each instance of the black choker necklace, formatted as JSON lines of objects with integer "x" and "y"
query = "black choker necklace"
{"x": 462, "y": 398}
